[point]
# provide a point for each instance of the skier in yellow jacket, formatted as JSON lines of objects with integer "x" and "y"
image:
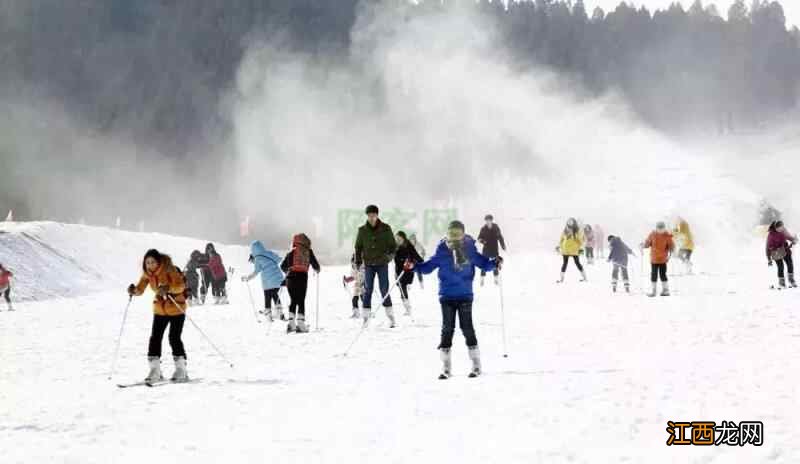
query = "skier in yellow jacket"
{"x": 571, "y": 245}
{"x": 683, "y": 235}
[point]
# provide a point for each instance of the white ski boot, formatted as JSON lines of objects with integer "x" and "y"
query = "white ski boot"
{"x": 278, "y": 313}
{"x": 155, "y": 370}
{"x": 561, "y": 279}
{"x": 301, "y": 324}
{"x": 223, "y": 300}
{"x": 614, "y": 286}
{"x": 291, "y": 327}
{"x": 366, "y": 316}
{"x": 390, "y": 315}
{"x": 180, "y": 375}
{"x": 421, "y": 284}
{"x": 407, "y": 306}
{"x": 792, "y": 283}
{"x": 652, "y": 293}
{"x": 444, "y": 355}
{"x": 356, "y": 314}
{"x": 482, "y": 279}
{"x": 497, "y": 280}
{"x": 10, "y": 306}
{"x": 583, "y": 276}
{"x": 475, "y": 356}
{"x": 664, "y": 288}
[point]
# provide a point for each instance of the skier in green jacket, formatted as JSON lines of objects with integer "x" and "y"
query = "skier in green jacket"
{"x": 375, "y": 247}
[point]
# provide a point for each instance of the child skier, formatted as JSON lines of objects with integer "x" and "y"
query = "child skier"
{"x": 661, "y": 248}
{"x": 357, "y": 279}
{"x": 588, "y": 234}
{"x": 571, "y": 246}
{"x": 405, "y": 252}
{"x": 192, "y": 278}
{"x": 169, "y": 308}
{"x": 618, "y": 255}
{"x": 420, "y": 251}
{"x": 684, "y": 237}
{"x": 5, "y": 285}
{"x": 267, "y": 263}
{"x": 600, "y": 244}
{"x": 456, "y": 258}
{"x": 490, "y": 237}
{"x": 219, "y": 277}
{"x": 296, "y": 264}
{"x": 779, "y": 249}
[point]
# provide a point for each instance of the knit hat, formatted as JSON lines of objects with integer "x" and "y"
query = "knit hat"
{"x": 371, "y": 209}
{"x": 660, "y": 225}
{"x": 488, "y": 217}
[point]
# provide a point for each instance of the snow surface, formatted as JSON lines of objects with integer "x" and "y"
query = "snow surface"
{"x": 591, "y": 376}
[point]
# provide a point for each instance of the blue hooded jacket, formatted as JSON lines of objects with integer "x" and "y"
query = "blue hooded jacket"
{"x": 456, "y": 284}
{"x": 619, "y": 252}
{"x": 267, "y": 263}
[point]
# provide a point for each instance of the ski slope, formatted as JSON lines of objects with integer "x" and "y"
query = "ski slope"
{"x": 590, "y": 377}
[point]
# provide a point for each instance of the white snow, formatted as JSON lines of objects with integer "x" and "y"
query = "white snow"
{"x": 590, "y": 377}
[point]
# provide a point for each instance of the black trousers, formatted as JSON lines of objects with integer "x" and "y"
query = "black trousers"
{"x": 658, "y": 270}
{"x": 160, "y": 324}
{"x": 577, "y": 260}
{"x": 616, "y": 271}
{"x": 7, "y": 294}
{"x": 218, "y": 287}
{"x": 589, "y": 253}
{"x": 297, "y": 284}
{"x": 463, "y": 310}
{"x": 403, "y": 290}
{"x": 355, "y": 302}
{"x": 789, "y": 265}
{"x": 270, "y": 296}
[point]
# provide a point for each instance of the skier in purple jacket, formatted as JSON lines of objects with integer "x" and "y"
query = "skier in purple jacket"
{"x": 779, "y": 249}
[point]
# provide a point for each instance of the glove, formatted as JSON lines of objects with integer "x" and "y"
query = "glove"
{"x": 499, "y": 263}
{"x": 408, "y": 265}
{"x": 163, "y": 290}
{"x": 132, "y": 289}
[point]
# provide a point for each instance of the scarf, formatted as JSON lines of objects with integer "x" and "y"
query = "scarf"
{"x": 455, "y": 242}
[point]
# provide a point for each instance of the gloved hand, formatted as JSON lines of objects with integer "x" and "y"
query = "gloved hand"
{"x": 408, "y": 265}
{"x": 131, "y": 289}
{"x": 245, "y": 279}
{"x": 499, "y": 263}
{"x": 163, "y": 290}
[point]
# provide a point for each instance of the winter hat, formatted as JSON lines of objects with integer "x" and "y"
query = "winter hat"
{"x": 488, "y": 217}
{"x": 371, "y": 209}
{"x": 660, "y": 225}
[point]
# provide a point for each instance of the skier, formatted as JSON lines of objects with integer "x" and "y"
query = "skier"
{"x": 192, "y": 278}
{"x": 375, "y": 247}
{"x": 588, "y": 234}
{"x": 600, "y": 245}
{"x": 420, "y": 251}
{"x": 169, "y": 308}
{"x": 489, "y": 236}
{"x": 405, "y": 252}
{"x": 357, "y": 279}
{"x": 219, "y": 277}
{"x": 661, "y": 248}
{"x": 618, "y": 256}
{"x": 205, "y": 275}
{"x": 5, "y": 285}
{"x": 571, "y": 246}
{"x": 685, "y": 239}
{"x": 296, "y": 264}
{"x": 267, "y": 263}
{"x": 779, "y": 249}
{"x": 456, "y": 258}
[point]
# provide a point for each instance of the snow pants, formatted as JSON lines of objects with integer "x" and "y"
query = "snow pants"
{"x": 270, "y": 296}
{"x": 658, "y": 270}
{"x": 382, "y": 272}
{"x": 218, "y": 287}
{"x": 6, "y": 293}
{"x": 297, "y": 284}
{"x": 160, "y": 324}
{"x": 577, "y": 260}
{"x": 463, "y": 310}
{"x": 789, "y": 265}
{"x": 616, "y": 271}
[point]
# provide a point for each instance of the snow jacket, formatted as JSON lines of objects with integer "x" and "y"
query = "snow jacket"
{"x": 375, "y": 246}
{"x": 661, "y": 246}
{"x": 618, "y": 252}
{"x": 5, "y": 277}
{"x": 589, "y": 237}
{"x": 571, "y": 244}
{"x": 779, "y": 244}
{"x": 456, "y": 284}
{"x": 683, "y": 234}
{"x": 406, "y": 251}
{"x": 490, "y": 238}
{"x": 268, "y": 264}
{"x": 169, "y": 275}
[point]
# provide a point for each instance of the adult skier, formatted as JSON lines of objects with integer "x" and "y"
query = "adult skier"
{"x": 169, "y": 309}
{"x": 374, "y": 248}
{"x": 661, "y": 248}
{"x": 268, "y": 264}
{"x": 405, "y": 252}
{"x": 490, "y": 237}
{"x": 296, "y": 265}
{"x": 683, "y": 235}
{"x": 219, "y": 277}
{"x": 779, "y": 249}
{"x": 193, "y": 278}
{"x": 420, "y": 251}
{"x": 571, "y": 246}
{"x": 618, "y": 256}
{"x": 456, "y": 258}
{"x": 5, "y": 285}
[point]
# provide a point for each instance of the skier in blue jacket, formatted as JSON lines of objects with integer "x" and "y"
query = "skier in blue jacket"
{"x": 456, "y": 258}
{"x": 267, "y": 263}
{"x": 618, "y": 256}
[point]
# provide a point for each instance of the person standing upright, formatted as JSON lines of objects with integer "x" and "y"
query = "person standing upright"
{"x": 492, "y": 240}
{"x": 375, "y": 248}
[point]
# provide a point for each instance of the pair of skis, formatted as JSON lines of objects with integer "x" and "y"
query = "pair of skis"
{"x": 158, "y": 383}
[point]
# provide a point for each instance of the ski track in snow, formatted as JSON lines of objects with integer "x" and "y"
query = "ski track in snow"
{"x": 591, "y": 377}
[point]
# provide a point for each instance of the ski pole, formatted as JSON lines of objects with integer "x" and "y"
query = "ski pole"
{"x": 221, "y": 355}
{"x": 316, "y": 317}
{"x": 364, "y": 326}
{"x": 502, "y": 314}
{"x": 252, "y": 302}
{"x": 119, "y": 338}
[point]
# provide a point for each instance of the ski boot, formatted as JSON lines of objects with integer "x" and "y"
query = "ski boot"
{"x": 421, "y": 285}
{"x": 652, "y": 293}
{"x": 791, "y": 281}
{"x": 614, "y": 286}
{"x": 583, "y": 276}
{"x": 407, "y": 306}
{"x": 444, "y": 355}
{"x": 366, "y": 316}
{"x": 301, "y": 324}
{"x": 475, "y": 356}
{"x": 291, "y": 327}
{"x": 155, "y": 370}
{"x": 781, "y": 282}
{"x": 356, "y": 314}
{"x": 664, "y": 288}
{"x": 10, "y": 306}
{"x": 223, "y": 300}
{"x": 390, "y": 315}
{"x": 627, "y": 286}
{"x": 180, "y": 375}
{"x": 482, "y": 279}
{"x": 561, "y": 279}
{"x": 497, "y": 280}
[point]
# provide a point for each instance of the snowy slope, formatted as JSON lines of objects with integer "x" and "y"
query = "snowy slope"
{"x": 591, "y": 377}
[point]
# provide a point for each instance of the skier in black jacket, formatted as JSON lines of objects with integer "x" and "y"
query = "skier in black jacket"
{"x": 405, "y": 252}
{"x": 490, "y": 236}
